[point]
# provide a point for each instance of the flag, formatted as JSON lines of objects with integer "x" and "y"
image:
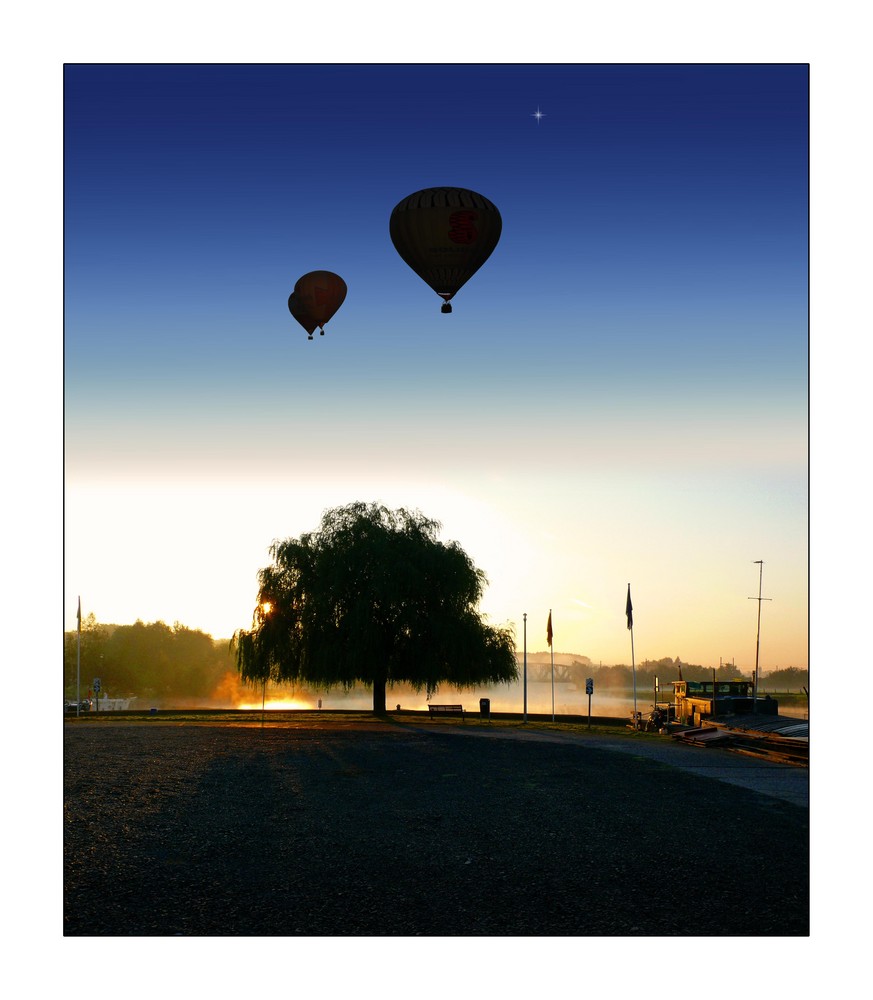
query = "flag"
{"x": 549, "y": 630}
{"x": 79, "y": 612}
{"x": 629, "y": 610}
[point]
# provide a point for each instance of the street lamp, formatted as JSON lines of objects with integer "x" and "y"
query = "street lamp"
{"x": 266, "y": 608}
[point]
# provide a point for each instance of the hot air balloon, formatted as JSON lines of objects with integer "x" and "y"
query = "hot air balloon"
{"x": 300, "y": 315}
{"x": 445, "y": 235}
{"x": 317, "y": 296}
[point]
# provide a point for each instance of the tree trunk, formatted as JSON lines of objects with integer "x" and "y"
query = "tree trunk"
{"x": 379, "y": 696}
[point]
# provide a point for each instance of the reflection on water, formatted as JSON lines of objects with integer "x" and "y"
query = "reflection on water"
{"x": 799, "y": 711}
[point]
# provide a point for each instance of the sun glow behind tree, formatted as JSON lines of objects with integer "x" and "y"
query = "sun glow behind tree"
{"x": 373, "y": 597}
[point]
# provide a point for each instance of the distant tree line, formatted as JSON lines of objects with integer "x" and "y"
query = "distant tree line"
{"x": 669, "y": 669}
{"x": 621, "y": 675}
{"x": 158, "y": 661}
{"x": 155, "y": 661}
{"x": 787, "y": 679}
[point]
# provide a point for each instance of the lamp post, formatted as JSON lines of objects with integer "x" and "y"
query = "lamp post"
{"x": 266, "y": 608}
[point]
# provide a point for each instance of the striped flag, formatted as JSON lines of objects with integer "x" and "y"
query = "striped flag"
{"x": 629, "y": 610}
{"x": 549, "y": 630}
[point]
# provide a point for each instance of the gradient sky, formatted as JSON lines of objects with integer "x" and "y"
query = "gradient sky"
{"x": 620, "y": 394}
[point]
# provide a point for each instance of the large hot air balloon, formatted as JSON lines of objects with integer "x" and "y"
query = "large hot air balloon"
{"x": 301, "y": 316}
{"x": 445, "y": 235}
{"x": 316, "y": 297}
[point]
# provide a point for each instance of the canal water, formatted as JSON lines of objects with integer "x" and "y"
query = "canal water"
{"x": 568, "y": 700}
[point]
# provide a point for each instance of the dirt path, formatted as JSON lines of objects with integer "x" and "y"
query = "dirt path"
{"x": 782, "y": 781}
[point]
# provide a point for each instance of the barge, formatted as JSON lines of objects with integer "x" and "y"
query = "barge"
{"x": 727, "y": 714}
{"x": 694, "y": 701}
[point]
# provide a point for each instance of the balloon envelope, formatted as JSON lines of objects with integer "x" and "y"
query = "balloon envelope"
{"x": 300, "y": 314}
{"x": 445, "y": 235}
{"x": 319, "y": 294}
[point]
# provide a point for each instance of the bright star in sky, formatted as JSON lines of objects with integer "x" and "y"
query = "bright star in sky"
{"x": 538, "y": 114}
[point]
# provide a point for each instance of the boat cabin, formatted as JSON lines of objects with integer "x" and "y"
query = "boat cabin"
{"x": 697, "y": 700}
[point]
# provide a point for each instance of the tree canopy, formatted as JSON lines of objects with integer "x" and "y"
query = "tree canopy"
{"x": 373, "y": 596}
{"x": 152, "y": 660}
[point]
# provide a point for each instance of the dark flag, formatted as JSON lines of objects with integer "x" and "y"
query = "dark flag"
{"x": 629, "y": 610}
{"x": 79, "y": 612}
{"x": 549, "y": 630}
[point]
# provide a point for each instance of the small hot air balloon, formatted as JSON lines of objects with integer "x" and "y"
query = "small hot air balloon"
{"x": 317, "y": 296}
{"x": 445, "y": 235}
{"x": 301, "y": 316}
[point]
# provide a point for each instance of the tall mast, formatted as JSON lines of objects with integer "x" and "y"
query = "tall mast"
{"x": 759, "y": 598}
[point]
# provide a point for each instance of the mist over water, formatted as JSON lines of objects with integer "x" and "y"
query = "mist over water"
{"x": 569, "y": 699}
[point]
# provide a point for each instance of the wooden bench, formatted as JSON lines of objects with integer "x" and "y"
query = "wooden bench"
{"x": 446, "y": 710}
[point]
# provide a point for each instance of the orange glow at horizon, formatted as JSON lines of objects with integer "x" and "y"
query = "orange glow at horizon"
{"x": 232, "y": 692}
{"x": 273, "y": 705}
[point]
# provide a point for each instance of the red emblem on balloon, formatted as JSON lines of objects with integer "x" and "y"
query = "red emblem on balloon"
{"x": 463, "y": 230}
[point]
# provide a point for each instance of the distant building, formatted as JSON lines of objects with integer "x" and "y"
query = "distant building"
{"x": 114, "y": 704}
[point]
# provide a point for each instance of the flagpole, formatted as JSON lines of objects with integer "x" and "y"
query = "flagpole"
{"x": 525, "y": 666}
{"x": 552, "y": 648}
{"x": 78, "y": 653}
{"x": 629, "y": 611}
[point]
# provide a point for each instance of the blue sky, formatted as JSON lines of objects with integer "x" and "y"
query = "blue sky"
{"x": 619, "y": 395}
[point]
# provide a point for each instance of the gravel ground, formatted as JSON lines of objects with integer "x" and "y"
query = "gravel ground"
{"x": 371, "y": 828}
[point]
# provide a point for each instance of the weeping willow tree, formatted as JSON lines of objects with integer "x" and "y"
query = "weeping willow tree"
{"x": 373, "y": 597}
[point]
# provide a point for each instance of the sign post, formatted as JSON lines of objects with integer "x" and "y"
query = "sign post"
{"x": 96, "y": 694}
{"x": 589, "y": 690}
